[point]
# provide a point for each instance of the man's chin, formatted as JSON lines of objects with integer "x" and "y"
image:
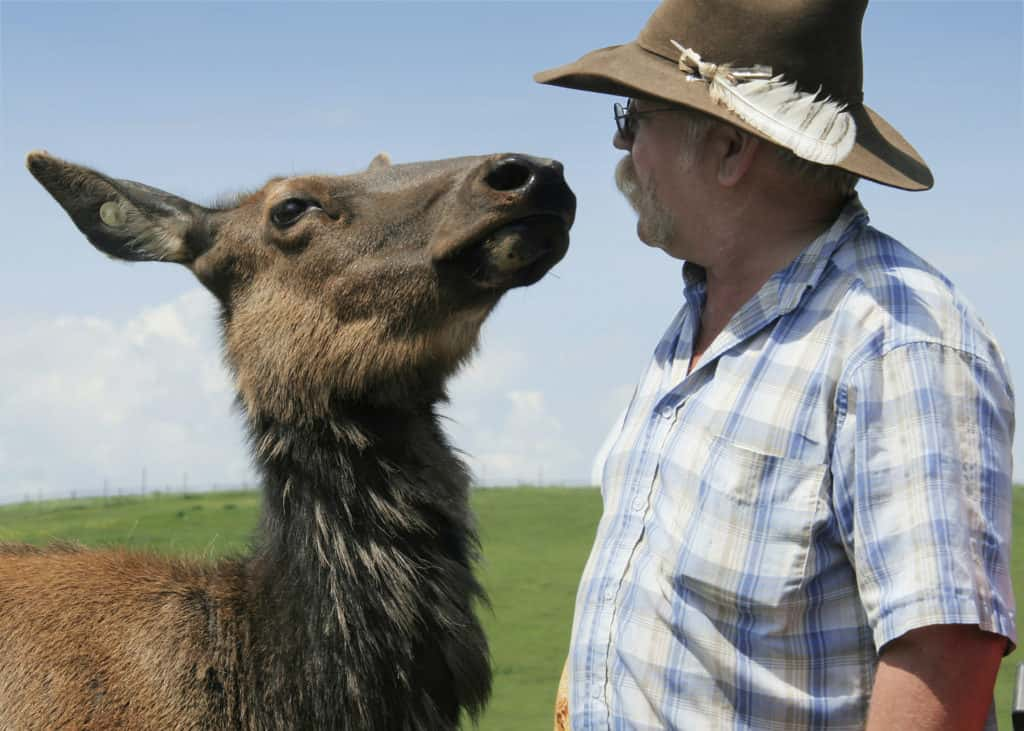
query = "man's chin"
{"x": 650, "y": 238}
{"x": 642, "y": 234}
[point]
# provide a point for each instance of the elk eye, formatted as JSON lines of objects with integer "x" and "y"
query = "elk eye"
{"x": 288, "y": 212}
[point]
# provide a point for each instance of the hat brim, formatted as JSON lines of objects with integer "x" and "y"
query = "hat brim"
{"x": 881, "y": 154}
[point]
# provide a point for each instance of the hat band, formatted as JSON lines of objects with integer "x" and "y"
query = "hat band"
{"x": 818, "y": 130}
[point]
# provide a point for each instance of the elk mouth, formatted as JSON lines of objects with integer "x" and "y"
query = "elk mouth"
{"x": 516, "y": 253}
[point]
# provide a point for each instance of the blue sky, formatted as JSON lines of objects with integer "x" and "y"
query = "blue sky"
{"x": 110, "y": 369}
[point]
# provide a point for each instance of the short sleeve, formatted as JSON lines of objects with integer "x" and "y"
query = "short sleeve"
{"x": 922, "y": 489}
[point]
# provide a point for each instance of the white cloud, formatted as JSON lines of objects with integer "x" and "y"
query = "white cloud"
{"x": 89, "y": 400}
{"x": 507, "y": 432}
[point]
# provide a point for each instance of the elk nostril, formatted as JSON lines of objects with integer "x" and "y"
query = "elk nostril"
{"x": 509, "y": 174}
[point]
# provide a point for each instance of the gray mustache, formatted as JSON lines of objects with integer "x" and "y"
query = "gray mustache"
{"x": 626, "y": 181}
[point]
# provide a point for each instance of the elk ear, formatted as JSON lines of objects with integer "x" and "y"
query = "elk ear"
{"x": 121, "y": 218}
{"x": 381, "y": 161}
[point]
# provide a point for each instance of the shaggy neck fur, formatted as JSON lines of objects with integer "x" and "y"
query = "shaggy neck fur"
{"x": 362, "y": 592}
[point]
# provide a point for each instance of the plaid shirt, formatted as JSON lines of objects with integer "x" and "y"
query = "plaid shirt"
{"x": 835, "y": 472}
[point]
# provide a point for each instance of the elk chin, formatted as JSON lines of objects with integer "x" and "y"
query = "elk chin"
{"x": 517, "y": 254}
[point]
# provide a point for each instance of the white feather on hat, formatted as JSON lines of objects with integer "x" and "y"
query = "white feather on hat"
{"x": 819, "y": 130}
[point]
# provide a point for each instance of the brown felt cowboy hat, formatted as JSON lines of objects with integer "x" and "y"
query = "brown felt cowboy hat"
{"x": 707, "y": 54}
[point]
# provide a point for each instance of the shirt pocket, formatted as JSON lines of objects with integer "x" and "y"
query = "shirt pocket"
{"x": 740, "y": 524}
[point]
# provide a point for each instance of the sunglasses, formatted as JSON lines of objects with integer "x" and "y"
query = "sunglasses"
{"x": 627, "y": 117}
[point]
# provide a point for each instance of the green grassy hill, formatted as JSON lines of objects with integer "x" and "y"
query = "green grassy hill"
{"x": 535, "y": 544}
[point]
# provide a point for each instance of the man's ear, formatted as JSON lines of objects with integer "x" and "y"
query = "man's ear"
{"x": 736, "y": 152}
{"x": 124, "y": 219}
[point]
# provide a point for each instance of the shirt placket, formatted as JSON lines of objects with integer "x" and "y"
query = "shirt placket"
{"x": 636, "y": 499}
{"x": 632, "y": 513}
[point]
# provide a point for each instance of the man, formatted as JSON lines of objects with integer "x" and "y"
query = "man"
{"x": 807, "y": 505}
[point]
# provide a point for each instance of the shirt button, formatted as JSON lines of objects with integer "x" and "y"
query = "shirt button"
{"x": 668, "y": 412}
{"x": 609, "y": 594}
{"x": 596, "y": 691}
{"x": 638, "y": 504}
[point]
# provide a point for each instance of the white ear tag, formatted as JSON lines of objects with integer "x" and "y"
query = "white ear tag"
{"x": 112, "y": 214}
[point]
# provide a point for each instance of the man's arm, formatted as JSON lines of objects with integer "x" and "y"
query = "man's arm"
{"x": 938, "y": 677}
{"x": 922, "y": 494}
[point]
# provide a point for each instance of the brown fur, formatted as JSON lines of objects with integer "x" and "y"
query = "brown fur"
{"x": 355, "y": 607}
{"x": 94, "y": 637}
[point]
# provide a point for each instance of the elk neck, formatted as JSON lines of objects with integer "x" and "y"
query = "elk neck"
{"x": 365, "y": 554}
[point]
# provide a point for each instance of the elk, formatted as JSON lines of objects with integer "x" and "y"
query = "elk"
{"x": 346, "y": 304}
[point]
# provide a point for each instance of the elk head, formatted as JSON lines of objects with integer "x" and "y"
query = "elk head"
{"x": 367, "y": 288}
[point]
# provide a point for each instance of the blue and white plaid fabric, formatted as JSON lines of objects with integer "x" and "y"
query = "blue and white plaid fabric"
{"x": 836, "y": 472}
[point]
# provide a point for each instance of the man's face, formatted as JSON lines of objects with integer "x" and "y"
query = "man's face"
{"x": 654, "y": 176}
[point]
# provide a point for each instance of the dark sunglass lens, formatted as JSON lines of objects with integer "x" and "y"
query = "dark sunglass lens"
{"x": 624, "y": 121}
{"x": 632, "y": 117}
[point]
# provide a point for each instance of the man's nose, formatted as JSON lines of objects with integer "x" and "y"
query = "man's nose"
{"x": 619, "y": 142}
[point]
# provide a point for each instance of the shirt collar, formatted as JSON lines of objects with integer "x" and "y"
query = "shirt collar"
{"x": 803, "y": 273}
{"x": 787, "y": 286}
{"x": 782, "y": 292}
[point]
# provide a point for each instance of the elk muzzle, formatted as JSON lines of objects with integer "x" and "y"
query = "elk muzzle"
{"x": 528, "y": 210}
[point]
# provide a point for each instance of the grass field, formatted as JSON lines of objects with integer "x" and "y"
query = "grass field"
{"x": 535, "y": 544}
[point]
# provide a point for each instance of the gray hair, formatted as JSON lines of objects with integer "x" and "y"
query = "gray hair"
{"x": 826, "y": 176}
{"x": 696, "y": 126}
